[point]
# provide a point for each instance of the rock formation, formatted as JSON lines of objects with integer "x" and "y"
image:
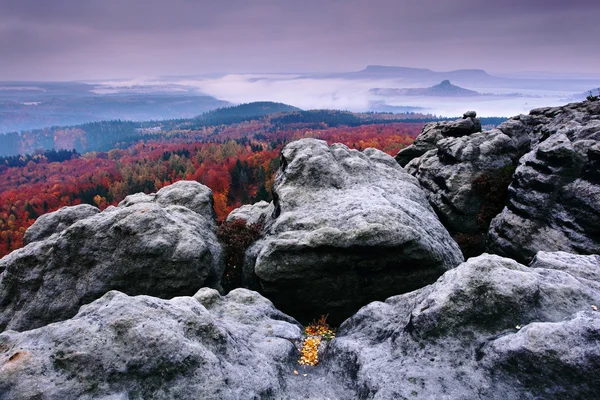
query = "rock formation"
{"x": 55, "y": 222}
{"x": 553, "y": 202}
{"x": 465, "y": 173}
{"x": 251, "y": 213}
{"x": 347, "y": 228}
{"x": 121, "y": 347}
{"x": 433, "y": 132}
{"x": 162, "y": 245}
{"x": 554, "y": 199}
{"x": 491, "y": 328}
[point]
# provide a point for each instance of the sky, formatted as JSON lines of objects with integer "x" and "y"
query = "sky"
{"x": 102, "y": 39}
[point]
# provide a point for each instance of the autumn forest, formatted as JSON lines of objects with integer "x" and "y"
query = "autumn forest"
{"x": 236, "y": 160}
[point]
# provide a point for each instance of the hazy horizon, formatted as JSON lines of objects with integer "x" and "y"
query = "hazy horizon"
{"x": 69, "y": 40}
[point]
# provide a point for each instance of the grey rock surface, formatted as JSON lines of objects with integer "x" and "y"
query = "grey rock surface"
{"x": 120, "y": 347}
{"x": 490, "y": 328}
{"x": 251, "y": 213}
{"x": 554, "y": 199}
{"x": 587, "y": 267}
{"x": 54, "y": 222}
{"x": 152, "y": 248}
{"x": 189, "y": 194}
{"x": 466, "y": 179}
{"x": 435, "y": 131}
{"x": 347, "y": 228}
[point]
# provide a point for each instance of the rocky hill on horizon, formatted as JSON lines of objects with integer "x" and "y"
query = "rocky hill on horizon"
{"x": 443, "y": 89}
{"x": 466, "y": 267}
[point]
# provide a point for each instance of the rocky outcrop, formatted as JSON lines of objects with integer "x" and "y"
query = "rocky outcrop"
{"x": 491, "y": 328}
{"x": 434, "y": 132}
{"x": 554, "y": 199}
{"x": 466, "y": 179}
{"x": 347, "y": 228}
{"x": 55, "y": 222}
{"x": 251, "y": 213}
{"x": 162, "y": 245}
{"x": 121, "y": 347}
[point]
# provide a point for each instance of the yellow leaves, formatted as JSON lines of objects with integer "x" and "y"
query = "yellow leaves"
{"x": 315, "y": 332}
{"x": 310, "y": 351}
{"x": 295, "y": 372}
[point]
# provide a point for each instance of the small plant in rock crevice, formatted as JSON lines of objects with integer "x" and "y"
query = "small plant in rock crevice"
{"x": 317, "y": 335}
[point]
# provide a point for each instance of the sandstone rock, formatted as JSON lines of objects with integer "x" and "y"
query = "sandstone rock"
{"x": 189, "y": 194}
{"x": 466, "y": 180}
{"x": 490, "y": 328}
{"x": 54, "y": 222}
{"x": 587, "y": 267}
{"x": 435, "y": 131}
{"x": 347, "y": 228}
{"x": 120, "y": 347}
{"x": 252, "y": 214}
{"x": 152, "y": 248}
{"x": 455, "y": 163}
{"x": 554, "y": 199}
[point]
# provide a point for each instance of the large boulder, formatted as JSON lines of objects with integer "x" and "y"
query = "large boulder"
{"x": 554, "y": 199}
{"x": 157, "y": 247}
{"x": 251, "y": 213}
{"x": 490, "y": 328}
{"x": 347, "y": 228}
{"x": 48, "y": 224}
{"x": 121, "y": 347}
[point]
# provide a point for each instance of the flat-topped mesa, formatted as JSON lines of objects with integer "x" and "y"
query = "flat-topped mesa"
{"x": 347, "y": 227}
{"x": 162, "y": 245}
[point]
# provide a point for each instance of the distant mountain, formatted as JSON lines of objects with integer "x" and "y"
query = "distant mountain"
{"x": 444, "y": 89}
{"x": 416, "y": 75}
{"x": 247, "y": 110}
{"x": 380, "y": 71}
{"x": 239, "y": 113}
{"x": 476, "y": 78}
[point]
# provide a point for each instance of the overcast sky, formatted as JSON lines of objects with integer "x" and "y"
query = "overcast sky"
{"x": 98, "y": 39}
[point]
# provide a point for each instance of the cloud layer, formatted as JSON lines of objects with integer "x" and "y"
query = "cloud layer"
{"x": 75, "y": 39}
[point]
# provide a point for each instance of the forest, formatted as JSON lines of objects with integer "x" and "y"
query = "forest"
{"x": 237, "y": 161}
{"x": 106, "y": 135}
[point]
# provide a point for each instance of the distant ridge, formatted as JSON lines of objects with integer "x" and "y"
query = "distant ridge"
{"x": 381, "y": 69}
{"x": 444, "y": 89}
{"x": 243, "y": 112}
{"x": 413, "y": 75}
